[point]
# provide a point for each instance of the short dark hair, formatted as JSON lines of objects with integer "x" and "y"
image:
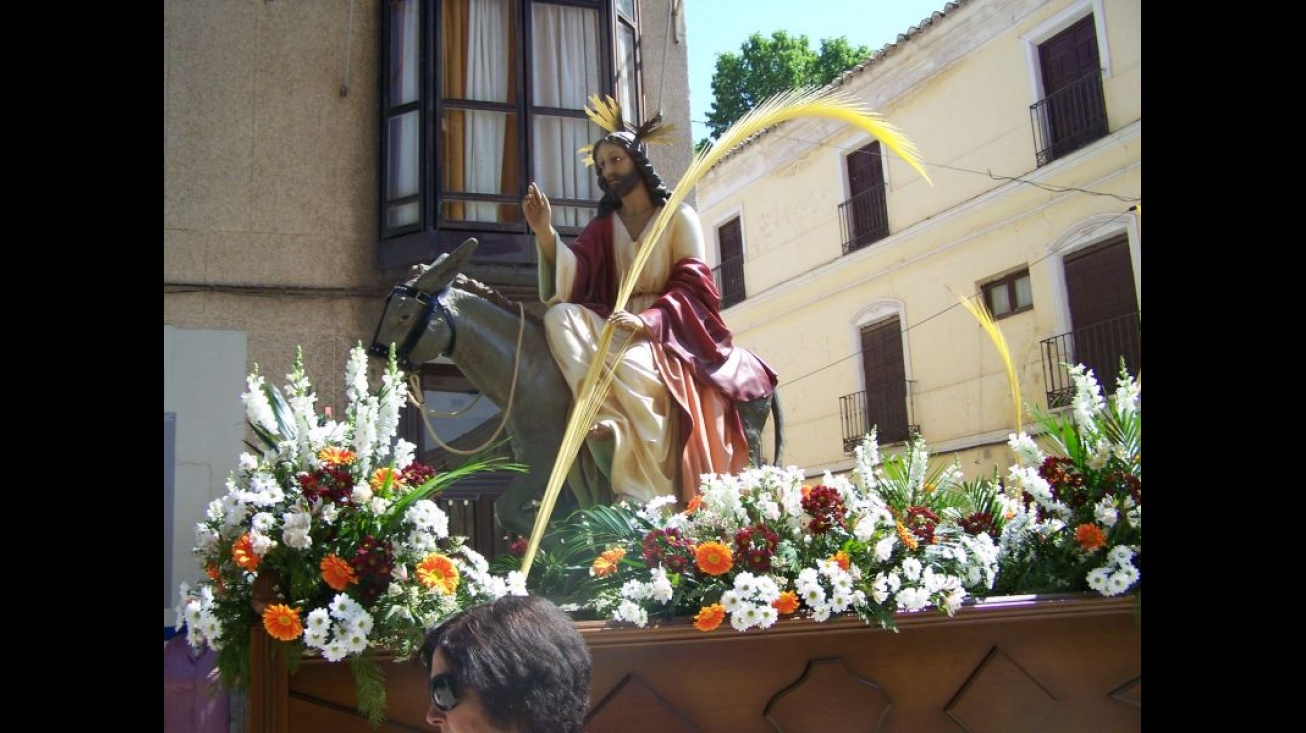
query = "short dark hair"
{"x": 525, "y": 659}
{"x": 657, "y": 190}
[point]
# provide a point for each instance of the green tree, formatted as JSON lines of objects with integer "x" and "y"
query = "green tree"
{"x": 765, "y": 67}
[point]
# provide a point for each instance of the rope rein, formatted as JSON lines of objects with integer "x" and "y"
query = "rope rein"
{"x": 415, "y": 392}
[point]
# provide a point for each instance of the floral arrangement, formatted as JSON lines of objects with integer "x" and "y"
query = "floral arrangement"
{"x": 1075, "y": 511}
{"x": 752, "y": 548}
{"x": 328, "y": 538}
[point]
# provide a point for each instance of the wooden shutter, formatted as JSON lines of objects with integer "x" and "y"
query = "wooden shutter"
{"x": 1104, "y": 310}
{"x": 730, "y": 242}
{"x": 886, "y": 380}
{"x": 869, "y": 213}
{"x": 1073, "y": 114}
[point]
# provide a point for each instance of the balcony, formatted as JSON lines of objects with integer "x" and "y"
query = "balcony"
{"x": 864, "y": 219}
{"x": 1099, "y": 347}
{"x": 1069, "y": 119}
{"x": 729, "y": 276}
{"x": 885, "y": 407}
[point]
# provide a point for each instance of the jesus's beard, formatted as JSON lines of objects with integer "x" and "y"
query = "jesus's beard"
{"x": 625, "y": 185}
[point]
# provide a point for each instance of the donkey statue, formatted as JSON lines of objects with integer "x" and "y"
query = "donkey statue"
{"x": 442, "y": 313}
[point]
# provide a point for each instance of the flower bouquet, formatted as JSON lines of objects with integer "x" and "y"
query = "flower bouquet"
{"x": 328, "y": 538}
{"x": 755, "y": 547}
{"x": 1076, "y": 511}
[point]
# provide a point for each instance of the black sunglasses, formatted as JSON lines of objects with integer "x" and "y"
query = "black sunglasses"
{"x": 444, "y": 691}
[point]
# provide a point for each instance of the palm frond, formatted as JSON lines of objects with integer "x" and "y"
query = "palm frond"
{"x": 605, "y": 112}
{"x": 981, "y": 314}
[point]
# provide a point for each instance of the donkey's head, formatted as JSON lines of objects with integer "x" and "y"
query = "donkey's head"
{"x": 415, "y": 319}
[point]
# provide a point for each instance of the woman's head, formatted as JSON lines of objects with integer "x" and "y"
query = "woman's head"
{"x": 606, "y": 153}
{"x": 517, "y": 664}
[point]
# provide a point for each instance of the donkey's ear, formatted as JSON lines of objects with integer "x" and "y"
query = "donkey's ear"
{"x": 445, "y": 268}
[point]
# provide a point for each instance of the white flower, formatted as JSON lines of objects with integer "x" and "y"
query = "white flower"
{"x": 362, "y": 494}
{"x": 379, "y": 505}
{"x": 913, "y": 599}
{"x": 1105, "y": 512}
{"x": 911, "y": 567}
{"x": 631, "y": 612}
{"x": 404, "y": 452}
{"x": 263, "y": 522}
{"x": 329, "y": 513}
{"x": 248, "y": 462}
{"x": 1097, "y": 579}
{"x": 1026, "y": 450}
{"x": 261, "y": 543}
{"x": 1120, "y": 554}
{"x": 257, "y": 408}
{"x": 884, "y": 548}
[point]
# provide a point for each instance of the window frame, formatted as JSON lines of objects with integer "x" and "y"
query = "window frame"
{"x": 506, "y": 242}
{"x": 1007, "y": 282}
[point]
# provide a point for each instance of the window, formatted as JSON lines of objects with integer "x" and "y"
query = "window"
{"x": 865, "y": 215}
{"x": 885, "y": 404}
{"x": 480, "y": 97}
{"x": 1009, "y": 295}
{"x": 730, "y": 273}
{"x": 1072, "y": 113}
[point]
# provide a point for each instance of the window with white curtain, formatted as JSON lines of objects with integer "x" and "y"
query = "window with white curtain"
{"x": 482, "y": 97}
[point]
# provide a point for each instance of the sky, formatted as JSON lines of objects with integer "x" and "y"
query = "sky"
{"x": 721, "y": 26}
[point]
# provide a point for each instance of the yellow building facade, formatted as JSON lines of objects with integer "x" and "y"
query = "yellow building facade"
{"x": 843, "y": 267}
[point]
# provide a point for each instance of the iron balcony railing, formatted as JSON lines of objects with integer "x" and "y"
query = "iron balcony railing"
{"x": 1069, "y": 119}
{"x": 885, "y": 407}
{"x": 864, "y": 219}
{"x": 1100, "y": 347}
{"x": 729, "y": 276}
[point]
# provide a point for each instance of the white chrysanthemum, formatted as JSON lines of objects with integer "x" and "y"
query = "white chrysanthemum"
{"x": 248, "y": 462}
{"x": 1120, "y": 554}
{"x": 263, "y": 522}
{"x": 660, "y": 587}
{"x": 1097, "y": 579}
{"x": 234, "y": 510}
{"x": 730, "y": 600}
{"x": 335, "y": 651}
{"x": 821, "y": 613}
{"x": 328, "y": 513}
{"x": 318, "y": 621}
{"x": 379, "y": 505}
{"x": 261, "y": 544}
{"x": 895, "y": 582}
{"x": 634, "y": 590}
{"x": 362, "y": 494}
{"x": 315, "y": 638}
{"x": 1117, "y": 583}
{"x": 913, "y": 599}
{"x": 631, "y": 612}
{"x": 911, "y": 567}
{"x": 361, "y": 623}
{"x": 1105, "y": 512}
{"x": 297, "y": 528}
{"x": 343, "y": 607}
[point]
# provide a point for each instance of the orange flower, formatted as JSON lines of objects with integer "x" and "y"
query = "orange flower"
{"x": 694, "y": 504}
{"x": 282, "y": 622}
{"x": 607, "y": 563}
{"x": 336, "y": 572}
{"x": 787, "y": 602}
{"x": 380, "y": 476}
{"x": 438, "y": 572}
{"x": 338, "y": 456}
{"x": 842, "y": 559}
{"x": 242, "y": 553}
{"x": 1090, "y": 537}
{"x": 907, "y": 537}
{"x": 213, "y": 572}
{"x": 710, "y": 617}
{"x": 713, "y": 558}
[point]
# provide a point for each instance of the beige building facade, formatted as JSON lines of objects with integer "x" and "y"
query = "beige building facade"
{"x": 309, "y": 158}
{"x": 843, "y": 267}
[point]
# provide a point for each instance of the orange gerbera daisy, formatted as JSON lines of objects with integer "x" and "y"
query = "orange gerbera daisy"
{"x": 842, "y": 559}
{"x": 694, "y": 504}
{"x": 607, "y": 563}
{"x": 337, "y": 572}
{"x": 1090, "y": 537}
{"x": 438, "y": 572}
{"x": 282, "y": 622}
{"x": 713, "y": 558}
{"x": 380, "y": 477}
{"x": 338, "y": 456}
{"x": 710, "y": 617}
{"x": 242, "y": 553}
{"x": 907, "y": 537}
{"x": 787, "y": 602}
{"x": 212, "y": 571}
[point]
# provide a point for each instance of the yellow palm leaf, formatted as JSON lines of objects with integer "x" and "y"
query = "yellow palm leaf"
{"x": 981, "y": 314}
